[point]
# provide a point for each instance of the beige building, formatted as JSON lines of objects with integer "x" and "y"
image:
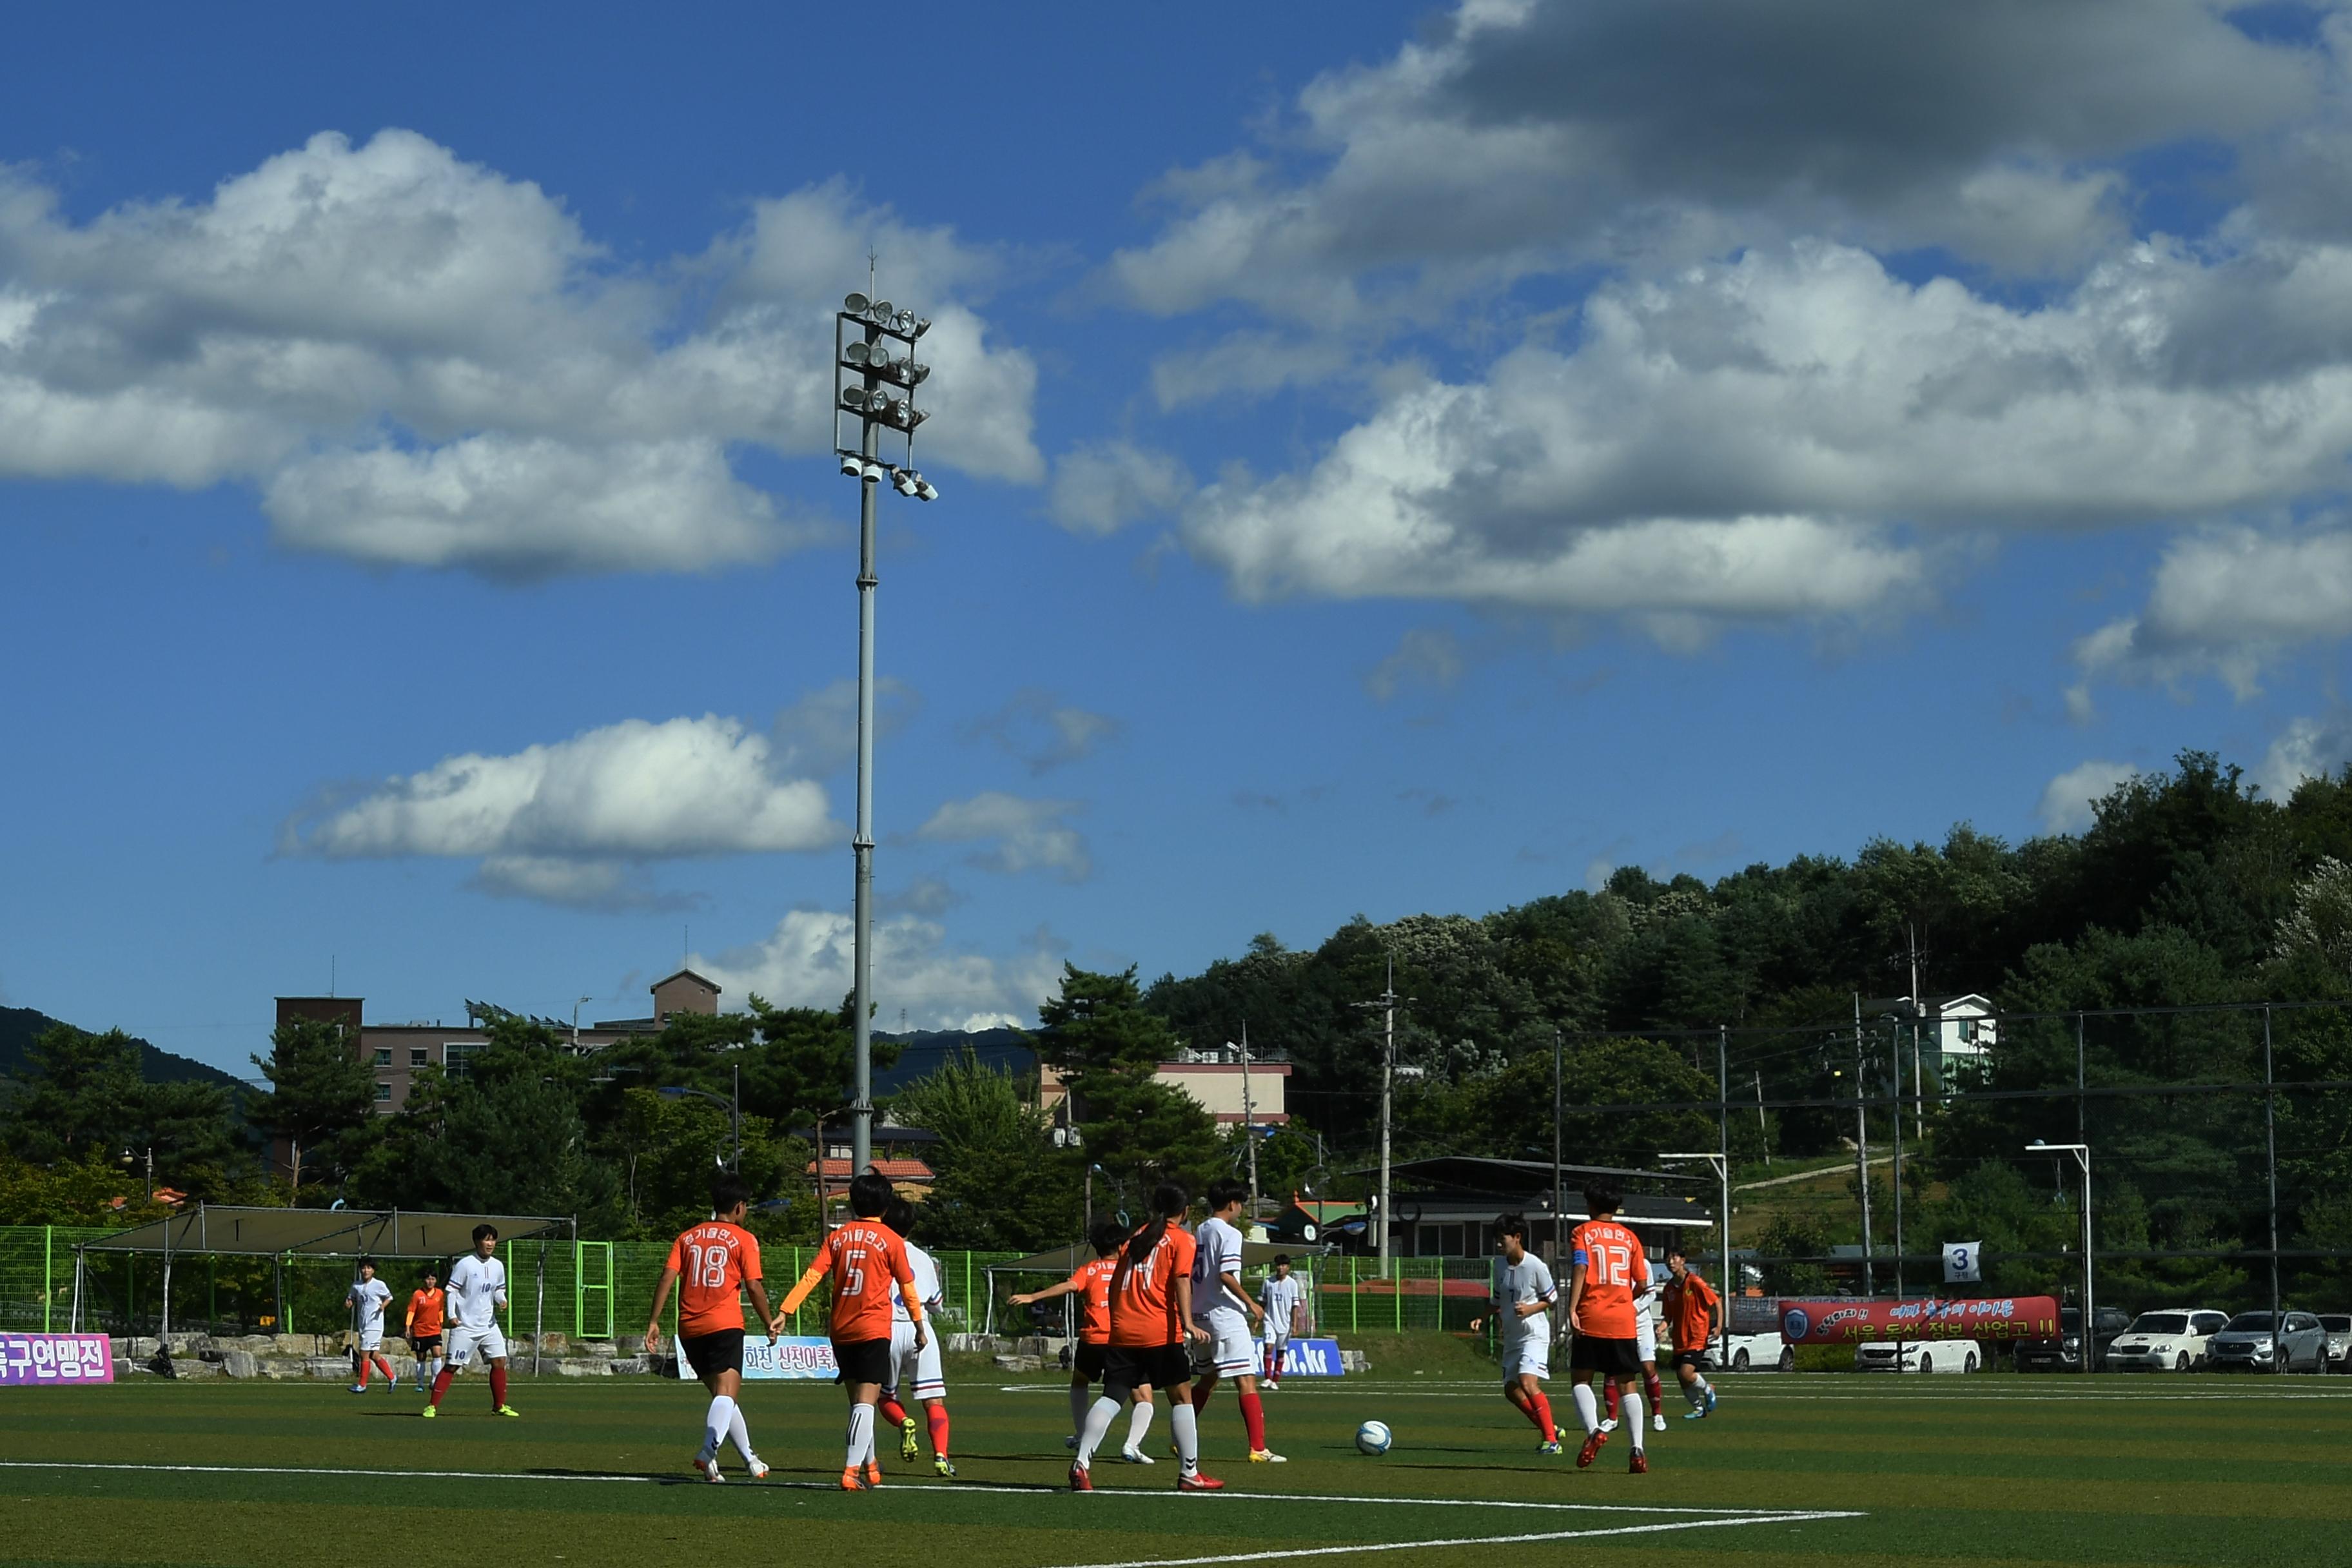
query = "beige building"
{"x": 398, "y": 1051}
{"x": 1213, "y": 1080}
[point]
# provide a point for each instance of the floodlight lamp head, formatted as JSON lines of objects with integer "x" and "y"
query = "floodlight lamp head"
{"x": 904, "y": 321}
{"x": 853, "y": 396}
{"x": 922, "y": 325}
{"x": 872, "y": 473}
{"x": 857, "y": 354}
{"x": 917, "y": 374}
{"x": 904, "y": 481}
{"x": 881, "y": 312}
{"x": 856, "y": 304}
{"x": 853, "y": 466}
{"x": 926, "y": 490}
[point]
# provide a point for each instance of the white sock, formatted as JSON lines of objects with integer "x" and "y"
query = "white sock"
{"x": 861, "y": 1433}
{"x": 1588, "y": 1409}
{"x": 1188, "y": 1434}
{"x": 1138, "y": 1424}
{"x": 1632, "y": 1404}
{"x": 741, "y": 1435}
{"x": 1098, "y": 1419}
{"x": 714, "y": 1423}
{"x": 1697, "y": 1392}
{"x": 1080, "y": 1398}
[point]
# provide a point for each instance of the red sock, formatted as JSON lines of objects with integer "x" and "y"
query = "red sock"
{"x": 385, "y": 1362}
{"x": 441, "y": 1384}
{"x": 1200, "y": 1391}
{"x": 1650, "y": 1389}
{"x": 894, "y": 1413}
{"x": 938, "y": 1413}
{"x": 1610, "y": 1388}
{"x": 365, "y": 1361}
{"x": 1542, "y": 1416}
{"x": 499, "y": 1387}
{"x": 1254, "y": 1418}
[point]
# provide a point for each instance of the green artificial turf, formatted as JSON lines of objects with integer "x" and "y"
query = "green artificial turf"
{"x": 1987, "y": 1470}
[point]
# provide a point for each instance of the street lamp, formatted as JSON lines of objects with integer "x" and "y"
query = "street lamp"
{"x": 734, "y": 1111}
{"x": 2082, "y": 1151}
{"x": 576, "y": 1022}
{"x": 872, "y": 384}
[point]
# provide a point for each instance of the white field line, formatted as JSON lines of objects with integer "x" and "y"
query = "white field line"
{"x": 1749, "y": 1515}
{"x": 1468, "y": 1541}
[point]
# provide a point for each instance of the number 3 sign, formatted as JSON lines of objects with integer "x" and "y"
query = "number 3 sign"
{"x": 1962, "y": 1263}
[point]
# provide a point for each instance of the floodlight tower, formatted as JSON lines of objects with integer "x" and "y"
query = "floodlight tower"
{"x": 874, "y": 380}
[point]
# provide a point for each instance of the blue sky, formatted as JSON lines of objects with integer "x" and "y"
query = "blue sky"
{"x": 1413, "y": 460}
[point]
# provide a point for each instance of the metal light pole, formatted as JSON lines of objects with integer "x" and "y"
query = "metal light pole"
{"x": 1558, "y": 1197}
{"x": 2082, "y": 1152}
{"x": 1862, "y": 1151}
{"x": 1249, "y": 1120}
{"x": 868, "y": 380}
{"x": 1386, "y": 1002}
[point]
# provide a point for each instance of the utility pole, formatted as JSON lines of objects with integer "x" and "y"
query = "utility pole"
{"x": 1249, "y": 1123}
{"x": 1918, "y": 1011}
{"x": 1763, "y": 1134}
{"x": 1386, "y": 1002}
{"x": 1894, "y": 1067}
{"x": 1728, "y": 1282}
{"x": 1861, "y": 1151}
{"x": 1558, "y": 1196}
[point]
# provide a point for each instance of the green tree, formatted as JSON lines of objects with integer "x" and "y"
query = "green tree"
{"x": 1001, "y": 1183}
{"x": 1098, "y": 1034}
{"x": 78, "y": 1100}
{"x": 321, "y": 1097}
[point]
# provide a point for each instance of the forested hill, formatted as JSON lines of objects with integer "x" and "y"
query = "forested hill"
{"x": 20, "y": 1026}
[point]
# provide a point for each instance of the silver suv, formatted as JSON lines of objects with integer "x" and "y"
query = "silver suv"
{"x": 2250, "y": 1344}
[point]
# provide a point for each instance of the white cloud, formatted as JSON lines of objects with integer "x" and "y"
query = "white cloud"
{"x": 2306, "y": 749}
{"x": 806, "y": 962}
{"x": 1045, "y": 732}
{"x": 1102, "y": 488}
{"x": 571, "y": 820}
{"x": 1515, "y": 139}
{"x": 1426, "y": 654}
{"x": 1737, "y": 440}
{"x": 818, "y": 734}
{"x": 2066, "y": 800}
{"x": 423, "y": 362}
{"x": 2228, "y": 601}
{"x": 1028, "y": 835}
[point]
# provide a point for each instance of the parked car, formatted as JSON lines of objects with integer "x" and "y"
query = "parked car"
{"x": 1760, "y": 1352}
{"x": 2065, "y": 1353}
{"x": 2339, "y": 1339}
{"x": 2249, "y": 1344}
{"x": 2173, "y": 1340}
{"x": 1919, "y": 1355}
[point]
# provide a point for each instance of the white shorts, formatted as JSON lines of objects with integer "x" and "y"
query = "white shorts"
{"x": 1275, "y": 1345}
{"x": 464, "y": 1341}
{"x": 1646, "y": 1338}
{"x": 1531, "y": 1355}
{"x": 921, "y": 1368}
{"x": 371, "y": 1340}
{"x": 1231, "y": 1349}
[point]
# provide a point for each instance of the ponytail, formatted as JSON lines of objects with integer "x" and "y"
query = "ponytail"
{"x": 1168, "y": 1204}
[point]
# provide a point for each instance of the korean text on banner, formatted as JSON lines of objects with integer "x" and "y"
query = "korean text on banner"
{"x": 793, "y": 1356}
{"x": 51, "y": 1359}
{"x": 1851, "y": 1322}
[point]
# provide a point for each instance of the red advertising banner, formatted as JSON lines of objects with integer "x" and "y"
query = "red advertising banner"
{"x": 1848, "y": 1322}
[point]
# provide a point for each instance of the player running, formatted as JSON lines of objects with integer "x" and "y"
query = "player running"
{"x": 1524, "y": 1294}
{"x": 1090, "y": 1283}
{"x": 368, "y": 1297}
{"x": 422, "y": 1326}
{"x": 1279, "y": 1294}
{"x": 863, "y": 1256}
{"x": 1219, "y": 1303}
{"x": 1606, "y": 1266}
{"x": 1151, "y": 1324}
{"x": 1692, "y": 1312}
{"x": 720, "y": 1263}
{"x": 478, "y": 1288}
{"x": 919, "y": 1365}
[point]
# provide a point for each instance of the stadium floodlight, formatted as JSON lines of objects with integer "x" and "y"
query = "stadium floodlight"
{"x": 874, "y": 386}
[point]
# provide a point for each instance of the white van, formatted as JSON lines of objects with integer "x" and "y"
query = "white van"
{"x": 1919, "y": 1355}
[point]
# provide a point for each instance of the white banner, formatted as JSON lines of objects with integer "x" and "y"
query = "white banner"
{"x": 1962, "y": 1263}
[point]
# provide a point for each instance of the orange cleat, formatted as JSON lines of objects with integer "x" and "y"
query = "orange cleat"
{"x": 1591, "y": 1451}
{"x": 1640, "y": 1465}
{"x": 1197, "y": 1483}
{"x": 851, "y": 1481}
{"x": 873, "y": 1476}
{"x": 1079, "y": 1480}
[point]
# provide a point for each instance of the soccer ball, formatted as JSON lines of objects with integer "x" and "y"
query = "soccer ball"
{"x": 1372, "y": 1437}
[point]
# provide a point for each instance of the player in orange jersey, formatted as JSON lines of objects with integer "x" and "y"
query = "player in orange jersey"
{"x": 1151, "y": 1322}
{"x": 719, "y": 1262}
{"x": 422, "y": 1327}
{"x": 1607, "y": 1266}
{"x": 1692, "y": 1310}
{"x": 1090, "y": 1283}
{"x": 863, "y": 1256}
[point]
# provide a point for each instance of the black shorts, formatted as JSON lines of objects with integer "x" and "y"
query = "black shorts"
{"x": 1615, "y": 1358}
{"x": 1088, "y": 1363}
{"x": 862, "y": 1361}
{"x": 1127, "y": 1368}
{"x": 423, "y": 1342}
{"x": 1694, "y": 1359}
{"x": 710, "y": 1354}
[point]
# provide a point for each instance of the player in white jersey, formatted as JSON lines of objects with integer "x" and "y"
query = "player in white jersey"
{"x": 366, "y": 1301}
{"x": 911, "y": 1362}
{"x": 1524, "y": 1294}
{"x": 1222, "y": 1307}
{"x": 477, "y": 1290}
{"x": 1279, "y": 1294}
